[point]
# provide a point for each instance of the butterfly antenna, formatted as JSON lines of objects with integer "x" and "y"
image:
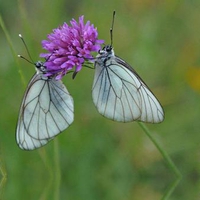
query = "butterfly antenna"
{"x": 111, "y": 29}
{"x": 20, "y": 56}
{"x": 26, "y": 50}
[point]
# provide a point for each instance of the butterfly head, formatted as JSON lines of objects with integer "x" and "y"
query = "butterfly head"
{"x": 40, "y": 67}
{"x": 106, "y": 50}
{"x": 105, "y": 54}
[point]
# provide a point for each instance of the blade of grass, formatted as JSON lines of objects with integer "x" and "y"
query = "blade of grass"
{"x": 57, "y": 174}
{"x": 167, "y": 159}
{"x": 14, "y": 54}
{"x": 3, "y": 174}
{"x": 24, "y": 17}
{"x": 46, "y": 190}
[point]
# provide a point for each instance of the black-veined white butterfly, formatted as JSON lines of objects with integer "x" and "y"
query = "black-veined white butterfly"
{"x": 118, "y": 91}
{"x": 46, "y": 110}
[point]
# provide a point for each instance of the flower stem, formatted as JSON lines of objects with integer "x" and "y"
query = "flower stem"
{"x": 167, "y": 159}
{"x": 57, "y": 174}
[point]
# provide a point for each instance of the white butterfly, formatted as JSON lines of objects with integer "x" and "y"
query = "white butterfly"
{"x": 46, "y": 110}
{"x": 119, "y": 93}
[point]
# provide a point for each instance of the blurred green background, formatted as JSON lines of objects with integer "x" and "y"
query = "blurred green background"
{"x": 96, "y": 158}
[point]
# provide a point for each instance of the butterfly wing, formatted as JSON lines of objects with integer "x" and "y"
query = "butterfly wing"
{"x": 47, "y": 109}
{"x": 121, "y": 95}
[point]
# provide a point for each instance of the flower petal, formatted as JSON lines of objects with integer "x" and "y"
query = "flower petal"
{"x": 70, "y": 46}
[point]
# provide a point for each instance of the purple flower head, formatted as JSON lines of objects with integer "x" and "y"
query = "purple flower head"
{"x": 70, "y": 46}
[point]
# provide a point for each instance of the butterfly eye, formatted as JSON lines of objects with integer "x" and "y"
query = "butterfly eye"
{"x": 38, "y": 64}
{"x": 108, "y": 48}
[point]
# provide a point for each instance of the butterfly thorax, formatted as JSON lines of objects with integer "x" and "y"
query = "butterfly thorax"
{"x": 106, "y": 53}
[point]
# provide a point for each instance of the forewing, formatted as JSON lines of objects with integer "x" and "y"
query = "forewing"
{"x": 121, "y": 95}
{"x": 46, "y": 110}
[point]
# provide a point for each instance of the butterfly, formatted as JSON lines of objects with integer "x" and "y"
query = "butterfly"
{"x": 119, "y": 93}
{"x": 46, "y": 110}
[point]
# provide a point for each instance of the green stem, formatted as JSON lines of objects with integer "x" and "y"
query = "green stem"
{"x": 8, "y": 38}
{"x": 47, "y": 189}
{"x": 168, "y": 160}
{"x": 57, "y": 169}
{"x": 3, "y": 173}
{"x": 12, "y": 49}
